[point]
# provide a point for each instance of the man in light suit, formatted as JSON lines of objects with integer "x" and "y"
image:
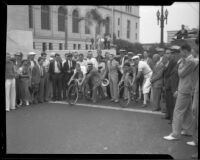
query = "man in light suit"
{"x": 157, "y": 82}
{"x": 182, "y": 116}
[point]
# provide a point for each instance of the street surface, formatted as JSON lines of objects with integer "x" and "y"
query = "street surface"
{"x": 62, "y": 129}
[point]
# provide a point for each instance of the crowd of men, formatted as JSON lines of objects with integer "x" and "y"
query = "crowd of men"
{"x": 172, "y": 72}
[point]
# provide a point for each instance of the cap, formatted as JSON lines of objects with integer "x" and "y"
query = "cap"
{"x": 31, "y": 53}
{"x": 135, "y": 57}
{"x": 122, "y": 50}
{"x": 18, "y": 54}
{"x": 174, "y": 47}
{"x": 159, "y": 49}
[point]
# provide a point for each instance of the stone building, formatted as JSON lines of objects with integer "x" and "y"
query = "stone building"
{"x": 47, "y": 23}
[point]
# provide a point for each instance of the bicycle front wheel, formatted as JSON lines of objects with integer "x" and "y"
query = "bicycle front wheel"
{"x": 124, "y": 96}
{"x": 72, "y": 94}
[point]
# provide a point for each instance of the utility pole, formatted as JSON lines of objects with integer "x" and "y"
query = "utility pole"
{"x": 162, "y": 18}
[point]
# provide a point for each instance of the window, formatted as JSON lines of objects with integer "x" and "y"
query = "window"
{"x": 44, "y": 47}
{"x": 33, "y": 45}
{"x": 79, "y": 46}
{"x": 136, "y": 36}
{"x": 45, "y": 17}
{"x": 60, "y": 46}
{"x": 130, "y": 9}
{"x": 107, "y": 31}
{"x": 118, "y": 21}
{"x": 118, "y": 34}
{"x": 128, "y": 28}
{"x": 75, "y": 22}
{"x": 61, "y": 19}
{"x": 74, "y": 46}
{"x": 30, "y": 13}
{"x": 136, "y": 25}
{"x": 87, "y": 28}
{"x": 50, "y": 46}
{"x": 86, "y": 47}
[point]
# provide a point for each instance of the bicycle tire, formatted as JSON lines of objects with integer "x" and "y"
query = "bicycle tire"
{"x": 87, "y": 93}
{"x": 122, "y": 101}
{"x": 72, "y": 94}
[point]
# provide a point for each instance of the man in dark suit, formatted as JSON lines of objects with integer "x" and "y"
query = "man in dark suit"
{"x": 157, "y": 82}
{"x": 170, "y": 82}
{"x": 41, "y": 94}
{"x": 55, "y": 71}
{"x": 68, "y": 70}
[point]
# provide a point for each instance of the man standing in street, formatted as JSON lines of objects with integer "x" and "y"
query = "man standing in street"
{"x": 170, "y": 80}
{"x": 91, "y": 59}
{"x": 55, "y": 71}
{"x": 68, "y": 70}
{"x": 157, "y": 82}
{"x": 41, "y": 84}
{"x": 46, "y": 77}
{"x": 182, "y": 117}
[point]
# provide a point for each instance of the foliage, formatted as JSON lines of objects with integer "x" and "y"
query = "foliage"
{"x": 128, "y": 46}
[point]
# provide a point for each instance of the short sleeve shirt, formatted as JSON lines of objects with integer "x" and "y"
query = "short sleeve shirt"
{"x": 144, "y": 67}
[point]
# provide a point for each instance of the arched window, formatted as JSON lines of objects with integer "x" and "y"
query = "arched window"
{"x": 30, "y": 14}
{"x": 45, "y": 17}
{"x": 75, "y": 22}
{"x": 87, "y": 25}
{"x": 61, "y": 19}
{"x": 107, "y": 25}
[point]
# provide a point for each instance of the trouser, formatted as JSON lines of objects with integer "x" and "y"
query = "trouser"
{"x": 57, "y": 84}
{"x": 156, "y": 97}
{"x": 170, "y": 104}
{"x": 195, "y": 104}
{"x": 114, "y": 86}
{"x": 65, "y": 80}
{"x": 182, "y": 116}
{"x": 18, "y": 93}
{"x": 10, "y": 93}
{"x": 46, "y": 87}
{"x": 41, "y": 90}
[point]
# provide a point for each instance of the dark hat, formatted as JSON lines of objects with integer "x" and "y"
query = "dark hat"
{"x": 18, "y": 54}
{"x": 69, "y": 55}
{"x": 57, "y": 54}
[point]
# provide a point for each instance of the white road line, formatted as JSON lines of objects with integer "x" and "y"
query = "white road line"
{"x": 109, "y": 107}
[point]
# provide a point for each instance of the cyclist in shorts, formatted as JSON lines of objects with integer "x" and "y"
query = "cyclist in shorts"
{"x": 128, "y": 77}
{"x": 93, "y": 79}
{"x": 80, "y": 74}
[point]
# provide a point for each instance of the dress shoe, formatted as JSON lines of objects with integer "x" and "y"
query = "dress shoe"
{"x": 170, "y": 138}
{"x": 195, "y": 156}
{"x": 7, "y": 110}
{"x": 112, "y": 100}
{"x": 144, "y": 105}
{"x": 116, "y": 101}
{"x": 191, "y": 143}
{"x": 185, "y": 134}
{"x": 156, "y": 109}
{"x": 166, "y": 117}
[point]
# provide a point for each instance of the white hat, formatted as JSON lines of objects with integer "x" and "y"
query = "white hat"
{"x": 135, "y": 57}
{"x": 159, "y": 49}
{"x": 52, "y": 54}
{"x": 31, "y": 53}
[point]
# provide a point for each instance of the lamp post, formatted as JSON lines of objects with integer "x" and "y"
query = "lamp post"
{"x": 162, "y": 18}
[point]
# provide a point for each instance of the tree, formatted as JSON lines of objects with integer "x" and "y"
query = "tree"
{"x": 128, "y": 46}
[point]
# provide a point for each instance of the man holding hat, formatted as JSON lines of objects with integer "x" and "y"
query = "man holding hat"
{"x": 143, "y": 68}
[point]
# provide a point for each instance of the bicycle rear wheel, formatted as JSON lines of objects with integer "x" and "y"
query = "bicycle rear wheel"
{"x": 124, "y": 96}
{"x": 72, "y": 94}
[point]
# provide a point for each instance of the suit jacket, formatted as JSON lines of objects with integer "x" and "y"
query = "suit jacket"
{"x": 157, "y": 76}
{"x": 35, "y": 75}
{"x": 170, "y": 71}
{"x": 185, "y": 73}
{"x": 66, "y": 68}
{"x": 52, "y": 67}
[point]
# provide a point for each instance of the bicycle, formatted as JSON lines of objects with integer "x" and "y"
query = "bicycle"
{"x": 131, "y": 94}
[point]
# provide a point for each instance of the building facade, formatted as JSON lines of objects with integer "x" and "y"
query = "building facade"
{"x": 53, "y": 25}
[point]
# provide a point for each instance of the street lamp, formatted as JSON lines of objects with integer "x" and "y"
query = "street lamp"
{"x": 161, "y": 17}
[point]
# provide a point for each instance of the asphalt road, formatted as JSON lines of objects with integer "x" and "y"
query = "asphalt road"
{"x": 60, "y": 128}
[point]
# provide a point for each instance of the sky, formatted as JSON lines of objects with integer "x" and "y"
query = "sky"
{"x": 179, "y": 13}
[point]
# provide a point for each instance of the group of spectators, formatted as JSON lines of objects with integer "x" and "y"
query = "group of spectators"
{"x": 170, "y": 73}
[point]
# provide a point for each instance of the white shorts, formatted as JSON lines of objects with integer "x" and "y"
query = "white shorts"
{"x": 146, "y": 83}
